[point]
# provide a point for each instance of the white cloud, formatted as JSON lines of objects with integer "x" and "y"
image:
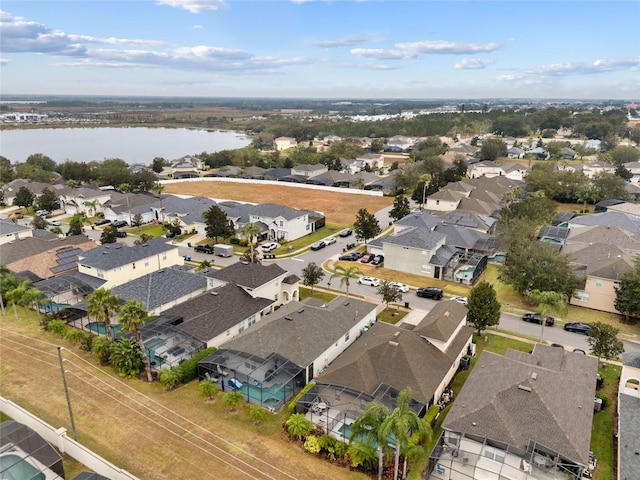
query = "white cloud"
{"x": 379, "y": 53}
{"x": 197, "y": 27}
{"x": 469, "y": 63}
{"x": 409, "y": 50}
{"x": 350, "y": 41}
{"x": 4, "y": 61}
{"x": 195, "y": 6}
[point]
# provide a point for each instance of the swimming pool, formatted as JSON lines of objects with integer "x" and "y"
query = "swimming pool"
{"x": 101, "y": 329}
{"x": 15, "y": 464}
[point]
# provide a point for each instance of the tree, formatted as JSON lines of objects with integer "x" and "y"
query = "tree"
{"x": 47, "y": 200}
{"x": 346, "y": 274}
{"x": 623, "y": 173}
{"x": 24, "y": 197}
{"x": 75, "y": 225}
{"x": 400, "y": 423}
{"x": 39, "y": 223}
{"x": 608, "y": 185}
{"x": 208, "y": 388}
{"x": 627, "y": 299}
{"x": 42, "y": 161}
{"x": 158, "y": 164}
{"x": 175, "y": 227}
{"x": 493, "y": 148}
{"x": 6, "y": 170}
{"x": 91, "y": 206}
{"x": 216, "y": 223}
{"x": 604, "y": 342}
{"x": 484, "y": 307}
{"x": 298, "y": 426}
{"x": 102, "y": 305}
{"x": 144, "y": 180}
{"x": 389, "y": 293}
{"x": 203, "y": 265}
{"x": 113, "y": 171}
{"x": 546, "y": 300}
{"x": 132, "y": 317}
{"x": 366, "y": 225}
{"x": 73, "y": 185}
{"x": 126, "y": 357}
{"x": 137, "y": 220}
{"x": 109, "y": 235}
{"x": 312, "y": 274}
{"x": 622, "y": 154}
{"x": 233, "y": 399}
{"x": 251, "y": 256}
{"x": 400, "y": 208}
{"x": 368, "y": 426}
{"x": 169, "y": 378}
{"x": 251, "y": 231}
{"x": 257, "y": 414}
{"x": 158, "y": 188}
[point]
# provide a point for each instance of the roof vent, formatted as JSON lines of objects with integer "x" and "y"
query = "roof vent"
{"x": 524, "y": 388}
{"x": 397, "y": 333}
{"x": 346, "y": 304}
{"x": 301, "y": 310}
{"x": 393, "y": 344}
{"x": 214, "y": 294}
{"x": 534, "y": 375}
{"x": 446, "y": 314}
{"x": 288, "y": 318}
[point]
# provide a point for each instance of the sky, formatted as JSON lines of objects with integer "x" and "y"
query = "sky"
{"x": 338, "y": 49}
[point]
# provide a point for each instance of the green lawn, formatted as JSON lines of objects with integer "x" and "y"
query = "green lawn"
{"x": 602, "y": 440}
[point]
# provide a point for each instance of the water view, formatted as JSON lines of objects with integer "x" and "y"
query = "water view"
{"x": 133, "y": 145}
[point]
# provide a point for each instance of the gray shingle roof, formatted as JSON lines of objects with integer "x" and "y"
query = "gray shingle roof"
{"x": 461, "y": 237}
{"x": 442, "y": 320}
{"x": 109, "y": 256}
{"x": 301, "y": 332}
{"x": 216, "y": 311}
{"x": 190, "y": 209}
{"x": 7, "y": 227}
{"x": 612, "y": 219}
{"x": 248, "y": 275}
{"x": 161, "y": 287}
{"x": 629, "y": 408}
{"x": 422, "y": 219}
{"x": 421, "y": 238}
{"x": 556, "y": 412}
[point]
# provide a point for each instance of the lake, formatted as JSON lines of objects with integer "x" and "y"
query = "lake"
{"x": 133, "y": 145}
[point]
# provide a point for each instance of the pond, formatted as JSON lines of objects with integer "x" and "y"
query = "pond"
{"x": 133, "y": 145}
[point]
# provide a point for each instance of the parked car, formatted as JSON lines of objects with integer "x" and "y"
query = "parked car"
{"x": 173, "y": 233}
{"x": 377, "y": 260}
{"x": 121, "y": 234}
{"x": 203, "y": 249}
{"x": 578, "y": 327}
{"x": 430, "y": 292}
{"x": 557, "y": 345}
{"x": 55, "y": 223}
{"x": 329, "y": 240}
{"x": 462, "y": 300}
{"x": 17, "y": 215}
{"x": 371, "y": 281}
{"x": 42, "y": 213}
{"x": 318, "y": 245}
{"x": 400, "y": 286}
{"x": 102, "y": 221}
{"x": 350, "y": 257}
{"x": 269, "y": 247}
{"x": 367, "y": 257}
{"x": 579, "y": 351}
{"x": 345, "y": 233}
{"x": 536, "y": 318}
{"x": 119, "y": 224}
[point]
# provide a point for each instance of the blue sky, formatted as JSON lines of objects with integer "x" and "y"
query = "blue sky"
{"x": 322, "y": 49}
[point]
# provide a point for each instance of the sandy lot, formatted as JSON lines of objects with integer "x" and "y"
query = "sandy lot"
{"x": 339, "y": 208}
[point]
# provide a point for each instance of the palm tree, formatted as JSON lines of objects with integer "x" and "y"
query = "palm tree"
{"x": 203, "y": 265}
{"x": 233, "y": 399}
{"x": 132, "y": 317}
{"x": 368, "y": 425}
{"x": 15, "y": 296}
{"x": 126, "y": 188}
{"x": 103, "y": 305}
{"x": 72, "y": 184}
{"x": 546, "y": 300}
{"x": 400, "y": 423}
{"x": 346, "y": 274}
{"x": 251, "y": 230}
{"x": 92, "y": 207}
{"x": 32, "y": 296}
{"x": 158, "y": 188}
{"x": 298, "y": 426}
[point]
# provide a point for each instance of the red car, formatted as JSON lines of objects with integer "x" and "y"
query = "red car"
{"x": 367, "y": 257}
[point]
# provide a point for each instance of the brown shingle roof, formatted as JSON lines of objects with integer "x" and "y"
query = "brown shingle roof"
{"x": 442, "y": 320}
{"x": 247, "y": 274}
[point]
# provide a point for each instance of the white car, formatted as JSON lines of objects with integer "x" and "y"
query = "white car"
{"x": 400, "y": 286}
{"x": 54, "y": 223}
{"x": 329, "y": 240}
{"x": 269, "y": 247}
{"x": 462, "y": 300}
{"x": 371, "y": 281}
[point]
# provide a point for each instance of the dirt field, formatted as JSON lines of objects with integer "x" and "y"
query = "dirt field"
{"x": 152, "y": 433}
{"x": 339, "y": 208}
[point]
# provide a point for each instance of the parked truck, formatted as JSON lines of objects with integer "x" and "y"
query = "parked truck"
{"x": 223, "y": 250}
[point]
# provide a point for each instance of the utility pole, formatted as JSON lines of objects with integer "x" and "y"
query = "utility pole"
{"x": 66, "y": 392}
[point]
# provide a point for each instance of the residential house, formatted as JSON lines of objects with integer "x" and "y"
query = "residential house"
{"x": 309, "y": 171}
{"x": 11, "y": 189}
{"x": 515, "y": 152}
{"x": 595, "y": 168}
{"x": 567, "y": 153}
{"x": 634, "y": 168}
{"x": 399, "y": 143}
{"x": 10, "y": 231}
{"x": 444, "y": 200}
{"x": 485, "y": 168}
{"x": 125, "y": 206}
{"x": 186, "y": 211}
{"x": 515, "y": 171}
{"x": 277, "y": 174}
{"x": 628, "y": 440}
{"x": 117, "y": 264}
{"x": 371, "y": 161}
{"x": 628, "y": 208}
{"x": 519, "y": 416}
{"x": 539, "y": 153}
{"x": 187, "y": 167}
{"x": 284, "y": 143}
{"x": 593, "y": 144}
{"x": 281, "y": 354}
{"x": 385, "y": 360}
{"x": 611, "y": 219}
{"x": 87, "y": 200}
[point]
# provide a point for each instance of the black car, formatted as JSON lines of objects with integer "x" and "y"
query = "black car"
{"x": 578, "y": 327}
{"x": 121, "y": 234}
{"x": 377, "y": 260}
{"x": 345, "y": 233}
{"x": 119, "y": 224}
{"x": 102, "y": 221}
{"x": 430, "y": 292}
{"x": 318, "y": 245}
{"x": 203, "y": 249}
{"x": 350, "y": 257}
{"x": 536, "y": 318}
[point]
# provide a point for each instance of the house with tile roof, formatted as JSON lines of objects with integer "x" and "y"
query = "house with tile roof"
{"x": 520, "y": 415}
{"x": 117, "y": 263}
{"x": 628, "y": 444}
{"x": 290, "y": 347}
{"x": 385, "y": 360}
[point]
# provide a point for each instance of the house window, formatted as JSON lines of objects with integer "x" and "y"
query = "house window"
{"x": 228, "y": 332}
{"x": 584, "y": 296}
{"x": 494, "y": 454}
{"x": 275, "y": 297}
{"x": 100, "y": 273}
{"x": 598, "y": 283}
{"x": 241, "y": 328}
{"x": 164, "y": 256}
{"x": 308, "y": 227}
{"x": 252, "y": 320}
{"x": 346, "y": 337}
{"x": 146, "y": 262}
{"x": 117, "y": 269}
{"x": 281, "y": 223}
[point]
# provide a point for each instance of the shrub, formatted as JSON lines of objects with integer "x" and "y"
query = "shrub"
{"x": 311, "y": 444}
{"x": 126, "y": 357}
{"x": 169, "y": 378}
{"x": 188, "y": 370}
{"x": 86, "y": 343}
{"x": 208, "y": 388}
{"x": 57, "y": 327}
{"x": 291, "y": 406}
{"x": 234, "y": 241}
{"x": 103, "y": 348}
{"x": 243, "y": 242}
{"x": 432, "y": 415}
{"x": 74, "y": 335}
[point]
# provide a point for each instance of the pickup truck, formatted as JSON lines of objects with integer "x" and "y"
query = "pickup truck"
{"x": 204, "y": 249}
